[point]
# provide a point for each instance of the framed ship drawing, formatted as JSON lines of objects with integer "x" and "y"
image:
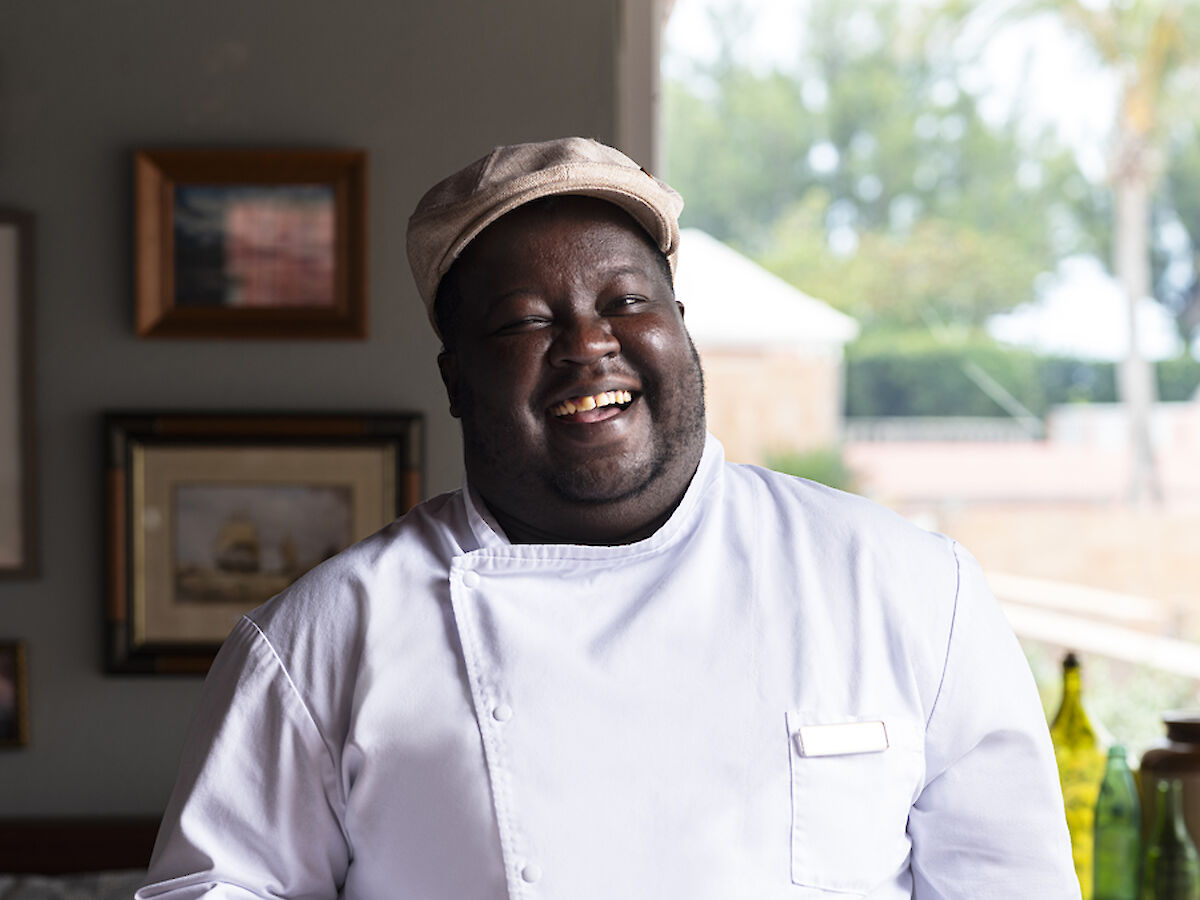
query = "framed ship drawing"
{"x": 210, "y": 515}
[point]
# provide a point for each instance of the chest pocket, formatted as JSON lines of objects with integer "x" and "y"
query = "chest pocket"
{"x": 854, "y": 780}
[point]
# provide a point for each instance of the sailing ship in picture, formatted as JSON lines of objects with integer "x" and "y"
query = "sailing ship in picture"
{"x": 245, "y": 543}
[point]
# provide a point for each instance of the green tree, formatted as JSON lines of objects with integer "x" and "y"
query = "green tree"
{"x": 1178, "y": 201}
{"x": 734, "y": 155}
{"x": 937, "y": 273}
{"x": 865, "y": 174}
{"x": 1152, "y": 46}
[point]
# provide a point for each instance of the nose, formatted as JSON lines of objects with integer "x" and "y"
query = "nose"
{"x": 584, "y": 339}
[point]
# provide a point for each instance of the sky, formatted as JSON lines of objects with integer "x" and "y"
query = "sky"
{"x": 1050, "y": 81}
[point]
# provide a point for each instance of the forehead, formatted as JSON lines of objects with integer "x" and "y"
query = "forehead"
{"x": 561, "y": 230}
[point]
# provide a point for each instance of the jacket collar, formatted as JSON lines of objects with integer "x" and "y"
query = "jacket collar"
{"x": 491, "y": 536}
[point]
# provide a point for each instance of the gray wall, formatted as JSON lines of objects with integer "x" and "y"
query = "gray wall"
{"x": 423, "y": 87}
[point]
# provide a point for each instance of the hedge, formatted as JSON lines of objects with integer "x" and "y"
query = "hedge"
{"x": 911, "y": 374}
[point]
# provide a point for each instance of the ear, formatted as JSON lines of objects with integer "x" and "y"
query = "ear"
{"x": 448, "y": 366}
{"x": 681, "y": 309}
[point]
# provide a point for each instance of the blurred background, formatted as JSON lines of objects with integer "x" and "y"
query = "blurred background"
{"x": 982, "y": 219}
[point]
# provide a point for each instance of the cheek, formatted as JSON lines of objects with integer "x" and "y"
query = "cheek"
{"x": 506, "y": 376}
{"x": 661, "y": 347}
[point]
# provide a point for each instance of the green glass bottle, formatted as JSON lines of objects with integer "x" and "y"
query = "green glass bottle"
{"x": 1118, "y": 831}
{"x": 1171, "y": 869}
{"x": 1081, "y": 763}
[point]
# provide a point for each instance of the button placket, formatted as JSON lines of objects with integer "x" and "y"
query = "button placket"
{"x": 493, "y": 715}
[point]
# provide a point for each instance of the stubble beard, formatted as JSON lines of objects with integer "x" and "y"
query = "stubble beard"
{"x": 604, "y": 481}
{"x": 684, "y": 438}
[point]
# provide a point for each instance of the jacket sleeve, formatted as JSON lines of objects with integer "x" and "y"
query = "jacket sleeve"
{"x": 256, "y": 809}
{"x": 989, "y": 822}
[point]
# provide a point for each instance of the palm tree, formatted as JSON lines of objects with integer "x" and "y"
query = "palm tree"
{"x": 1146, "y": 44}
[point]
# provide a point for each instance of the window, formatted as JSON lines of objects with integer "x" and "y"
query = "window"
{"x": 917, "y": 211}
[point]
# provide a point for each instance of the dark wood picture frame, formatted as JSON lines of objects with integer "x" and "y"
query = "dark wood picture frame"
{"x": 76, "y": 846}
{"x": 18, "y": 476}
{"x": 14, "y": 695}
{"x": 250, "y": 243}
{"x": 209, "y": 514}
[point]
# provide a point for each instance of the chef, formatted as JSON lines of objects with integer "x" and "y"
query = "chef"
{"x": 612, "y": 665}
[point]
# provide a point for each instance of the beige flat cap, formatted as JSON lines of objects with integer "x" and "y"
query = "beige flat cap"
{"x": 456, "y": 210}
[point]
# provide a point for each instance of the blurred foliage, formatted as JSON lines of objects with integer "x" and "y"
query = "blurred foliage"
{"x": 910, "y": 373}
{"x": 865, "y": 173}
{"x": 1151, "y": 47}
{"x": 1124, "y": 701}
{"x": 944, "y": 270}
{"x": 1180, "y": 293}
{"x": 1178, "y": 201}
{"x": 1179, "y": 378}
{"x": 825, "y": 465}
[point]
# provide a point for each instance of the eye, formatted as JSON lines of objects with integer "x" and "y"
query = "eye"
{"x": 625, "y": 303}
{"x": 516, "y": 313}
{"x": 518, "y": 326}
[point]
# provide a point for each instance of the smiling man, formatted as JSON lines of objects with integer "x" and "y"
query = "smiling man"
{"x": 566, "y": 359}
{"x": 612, "y": 665}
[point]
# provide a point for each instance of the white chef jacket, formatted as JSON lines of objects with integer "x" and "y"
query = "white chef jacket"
{"x": 438, "y": 714}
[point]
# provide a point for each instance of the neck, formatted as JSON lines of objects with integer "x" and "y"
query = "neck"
{"x": 584, "y": 525}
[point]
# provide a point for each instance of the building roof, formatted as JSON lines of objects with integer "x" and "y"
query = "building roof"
{"x": 766, "y": 311}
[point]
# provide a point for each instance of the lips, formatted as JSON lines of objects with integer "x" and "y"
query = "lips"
{"x": 589, "y": 406}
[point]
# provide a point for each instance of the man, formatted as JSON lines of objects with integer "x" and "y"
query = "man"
{"x": 612, "y": 666}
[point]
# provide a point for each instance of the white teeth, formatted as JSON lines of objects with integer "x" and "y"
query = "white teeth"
{"x": 594, "y": 401}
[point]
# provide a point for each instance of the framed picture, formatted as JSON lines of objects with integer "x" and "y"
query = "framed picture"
{"x": 18, "y": 525}
{"x": 14, "y": 695}
{"x": 210, "y": 515}
{"x": 250, "y": 243}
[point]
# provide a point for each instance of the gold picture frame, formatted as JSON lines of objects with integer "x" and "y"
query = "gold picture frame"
{"x": 14, "y": 695}
{"x": 210, "y": 514}
{"x": 250, "y": 243}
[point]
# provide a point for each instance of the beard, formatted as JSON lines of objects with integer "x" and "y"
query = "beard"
{"x": 492, "y": 445}
{"x": 612, "y": 480}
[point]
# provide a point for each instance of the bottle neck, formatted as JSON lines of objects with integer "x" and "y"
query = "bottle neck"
{"x": 1169, "y": 825}
{"x": 1072, "y": 683}
{"x": 1071, "y": 715}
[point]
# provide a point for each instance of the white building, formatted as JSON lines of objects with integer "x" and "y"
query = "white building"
{"x": 772, "y": 354}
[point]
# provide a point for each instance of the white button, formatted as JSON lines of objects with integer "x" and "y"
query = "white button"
{"x": 471, "y": 579}
{"x": 502, "y": 712}
{"x": 531, "y": 873}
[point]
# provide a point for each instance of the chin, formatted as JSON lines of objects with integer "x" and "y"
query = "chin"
{"x": 609, "y": 482}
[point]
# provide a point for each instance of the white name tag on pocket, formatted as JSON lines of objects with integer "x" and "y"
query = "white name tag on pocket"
{"x": 841, "y": 739}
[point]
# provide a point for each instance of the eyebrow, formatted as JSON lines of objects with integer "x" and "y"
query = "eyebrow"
{"x": 614, "y": 271}
{"x": 628, "y": 269}
{"x": 513, "y": 293}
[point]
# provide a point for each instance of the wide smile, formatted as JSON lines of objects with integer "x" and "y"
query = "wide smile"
{"x": 590, "y": 408}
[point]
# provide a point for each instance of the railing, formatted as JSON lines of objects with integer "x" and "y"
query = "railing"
{"x": 940, "y": 428}
{"x": 1138, "y": 630}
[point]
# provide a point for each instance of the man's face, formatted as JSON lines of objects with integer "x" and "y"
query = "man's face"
{"x": 579, "y": 390}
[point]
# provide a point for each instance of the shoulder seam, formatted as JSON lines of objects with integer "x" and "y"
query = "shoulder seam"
{"x": 949, "y": 631}
{"x": 303, "y": 704}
